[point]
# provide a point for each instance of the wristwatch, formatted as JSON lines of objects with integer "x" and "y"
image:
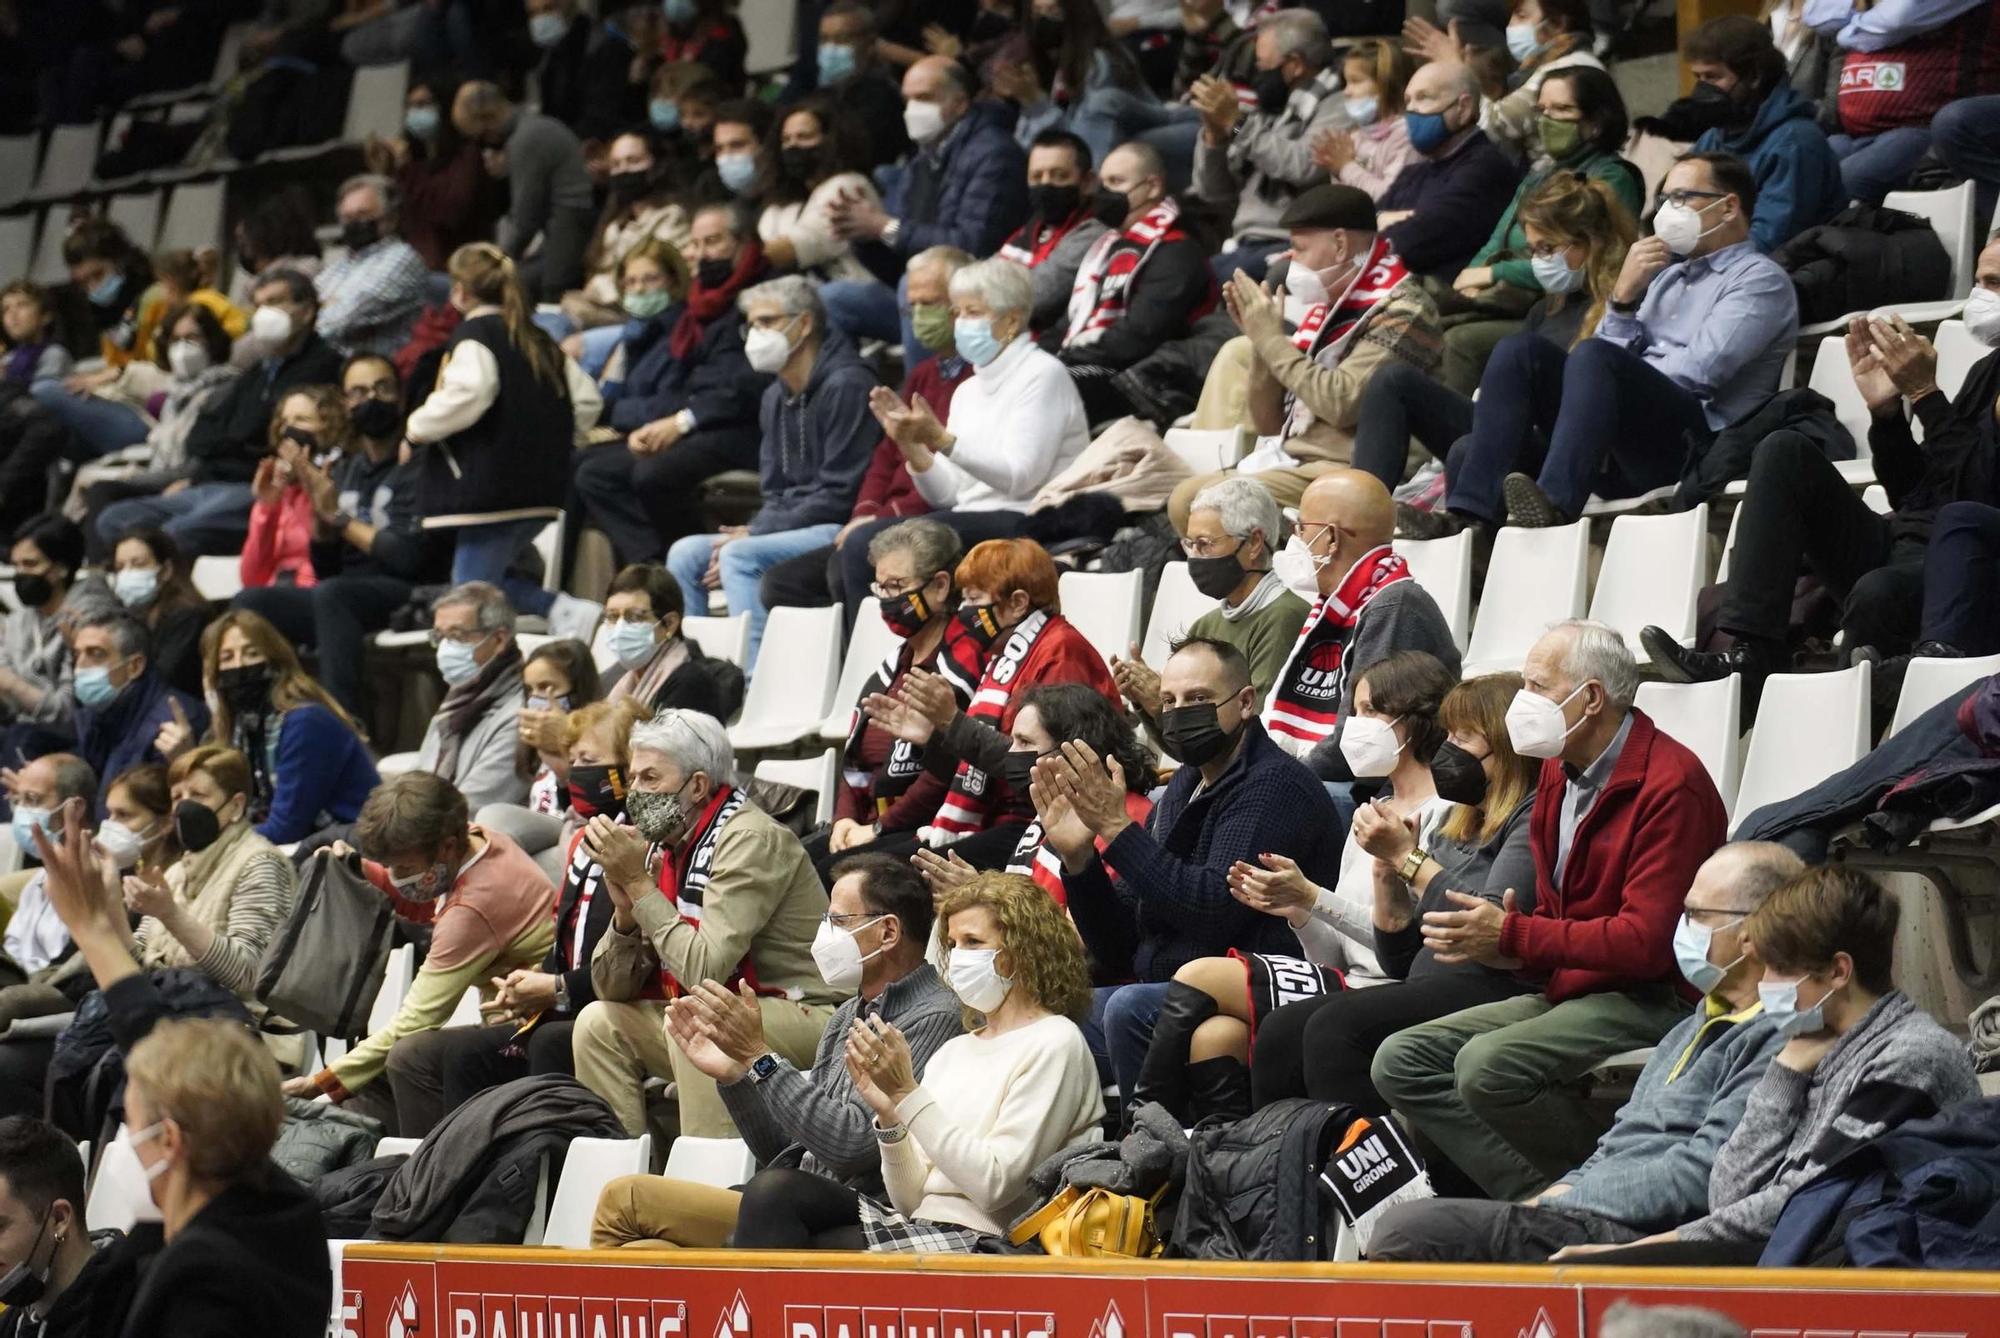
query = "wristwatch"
{"x": 1623, "y": 308}
{"x": 1412, "y": 863}
{"x": 763, "y": 1067}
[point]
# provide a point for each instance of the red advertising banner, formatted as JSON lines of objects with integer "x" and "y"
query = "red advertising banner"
{"x": 1827, "y": 1311}
{"x": 1206, "y": 1307}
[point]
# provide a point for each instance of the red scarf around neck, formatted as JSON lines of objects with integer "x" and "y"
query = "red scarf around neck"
{"x": 1305, "y": 701}
{"x": 1104, "y": 281}
{"x": 1035, "y": 241}
{"x": 708, "y": 304}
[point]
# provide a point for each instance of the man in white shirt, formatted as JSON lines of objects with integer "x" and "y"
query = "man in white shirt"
{"x": 36, "y": 938}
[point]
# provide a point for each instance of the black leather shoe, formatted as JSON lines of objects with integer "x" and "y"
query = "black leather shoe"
{"x": 1885, "y": 684}
{"x": 1412, "y": 523}
{"x": 1677, "y": 664}
{"x": 1528, "y": 506}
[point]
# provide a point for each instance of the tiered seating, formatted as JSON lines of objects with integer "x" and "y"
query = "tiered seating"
{"x": 1808, "y": 727}
{"x": 1537, "y": 577}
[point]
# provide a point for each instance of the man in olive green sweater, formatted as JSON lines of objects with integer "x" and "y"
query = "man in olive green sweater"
{"x": 1233, "y": 528}
{"x": 703, "y": 886}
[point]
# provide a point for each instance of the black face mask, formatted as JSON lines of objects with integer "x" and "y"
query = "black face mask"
{"x": 714, "y": 273}
{"x": 1047, "y": 34}
{"x": 23, "y": 1284}
{"x": 1216, "y": 576}
{"x": 981, "y": 624}
{"x": 906, "y": 616}
{"x": 309, "y": 440}
{"x": 1194, "y": 734}
{"x": 246, "y": 688}
{"x": 1053, "y": 204}
{"x": 1017, "y": 769}
{"x": 596, "y": 789}
{"x": 34, "y": 590}
{"x": 378, "y": 420}
{"x": 359, "y": 233}
{"x": 1459, "y": 776}
{"x": 1720, "y": 107}
{"x": 196, "y": 826}
{"x": 626, "y": 187}
{"x": 1272, "y": 91}
{"x": 1109, "y": 207}
{"x": 798, "y": 164}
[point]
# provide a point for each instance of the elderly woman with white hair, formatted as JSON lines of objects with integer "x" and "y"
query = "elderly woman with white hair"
{"x": 1013, "y": 426}
{"x": 710, "y": 898}
{"x": 817, "y": 439}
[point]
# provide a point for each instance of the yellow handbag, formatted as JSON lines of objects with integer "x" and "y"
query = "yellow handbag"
{"x": 1093, "y": 1223}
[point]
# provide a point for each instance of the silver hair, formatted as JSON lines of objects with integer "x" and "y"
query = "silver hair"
{"x": 795, "y": 295}
{"x": 1000, "y": 284}
{"x": 1301, "y": 33}
{"x": 489, "y": 604}
{"x": 384, "y": 188}
{"x": 949, "y": 258}
{"x": 1244, "y": 505}
{"x": 74, "y": 779}
{"x": 1625, "y": 1320}
{"x": 933, "y": 546}
{"x": 694, "y": 740}
{"x": 128, "y": 634}
{"x": 1599, "y": 652}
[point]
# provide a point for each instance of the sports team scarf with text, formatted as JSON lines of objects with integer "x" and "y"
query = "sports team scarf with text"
{"x": 1305, "y": 701}
{"x": 959, "y": 660}
{"x": 967, "y": 805}
{"x": 684, "y": 876}
{"x": 1111, "y": 266}
{"x": 1326, "y": 330}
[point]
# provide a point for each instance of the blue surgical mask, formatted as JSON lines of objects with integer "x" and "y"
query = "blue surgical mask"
{"x": 107, "y": 289}
{"x": 737, "y": 170}
{"x": 26, "y": 821}
{"x": 678, "y": 11}
{"x": 1781, "y": 1004}
{"x": 1553, "y": 273}
{"x": 633, "y": 643}
{"x": 94, "y": 686}
{"x": 455, "y": 662}
{"x": 546, "y": 30}
{"x": 1428, "y": 130}
{"x": 1691, "y": 943}
{"x": 836, "y": 62}
{"x": 421, "y": 121}
{"x": 974, "y": 337}
{"x": 664, "y": 115}
{"x": 136, "y": 587}
{"x": 1521, "y": 41}
{"x": 1362, "y": 111}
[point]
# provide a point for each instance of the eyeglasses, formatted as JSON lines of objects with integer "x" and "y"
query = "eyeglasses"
{"x": 465, "y": 636}
{"x": 381, "y": 390}
{"x": 1210, "y": 547}
{"x": 1302, "y": 528}
{"x": 896, "y": 589}
{"x": 1543, "y": 250}
{"x": 857, "y": 919}
{"x": 1687, "y": 197}
{"x": 631, "y": 619}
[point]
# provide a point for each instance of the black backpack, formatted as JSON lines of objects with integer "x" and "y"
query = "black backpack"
{"x": 1252, "y": 1188}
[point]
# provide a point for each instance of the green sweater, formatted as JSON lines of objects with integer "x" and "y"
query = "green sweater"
{"x": 1510, "y": 238}
{"x": 1265, "y": 637}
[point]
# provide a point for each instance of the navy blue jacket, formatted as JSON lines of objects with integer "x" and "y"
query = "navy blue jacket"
{"x": 324, "y": 774}
{"x": 119, "y": 735}
{"x": 970, "y": 191}
{"x": 1171, "y": 903}
{"x": 1798, "y": 177}
{"x": 716, "y": 384}
{"x": 816, "y": 444}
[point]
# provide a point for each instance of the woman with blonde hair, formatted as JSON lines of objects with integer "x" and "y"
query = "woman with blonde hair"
{"x": 491, "y": 462}
{"x": 1577, "y": 231}
{"x": 1322, "y": 1048}
{"x": 957, "y": 1147}
{"x": 309, "y": 767}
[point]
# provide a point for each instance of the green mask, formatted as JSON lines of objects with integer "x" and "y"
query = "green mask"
{"x": 645, "y": 306}
{"x": 1560, "y": 138}
{"x": 932, "y": 323}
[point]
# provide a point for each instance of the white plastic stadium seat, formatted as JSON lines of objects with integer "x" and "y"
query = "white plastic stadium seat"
{"x": 1808, "y": 727}
{"x": 397, "y": 1147}
{"x": 772, "y": 38}
{"x": 791, "y": 692}
{"x": 138, "y": 214}
{"x": 588, "y": 1166}
{"x": 818, "y": 774}
{"x": 1950, "y": 213}
{"x": 1104, "y": 606}
{"x": 1205, "y": 450}
{"x": 66, "y": 162}
{"x": 721, "y": 1162}
{"x": 395, "y": 764}
{"x": 17, "y": 173}
{"x": 1536, "y": 578}
{"x": 17, "y": 242}
{"x": 193, "y": 218}
{"x": 1929, "y": 681}
{"x": 868, "y": 645}
{"x": 1443, "y": 567}
{"x": 1176, "y": 605}
{"x": 119, "y": 1199}
{"x": 217, "y": 577}
{"x": 1652, "y": 570}
{"x": 47, "y": 267}
{"x": 1833, "y": 377}
{"x": 1704, "y": 718}
{"x": 1957, "y": 350}
{"x": 719, "y": 638}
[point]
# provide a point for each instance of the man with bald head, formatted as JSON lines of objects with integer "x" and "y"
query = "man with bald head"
{"x": 1650, "y": 1170}
{"x": 1142, "y": 284}
{"x": 1366, "y": 607}
{"x": 1623, "y": 818}
{"x": 1441, "y": 207}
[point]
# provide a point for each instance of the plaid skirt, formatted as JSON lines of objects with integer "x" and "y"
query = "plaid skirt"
{"x": 889, "y": 1232}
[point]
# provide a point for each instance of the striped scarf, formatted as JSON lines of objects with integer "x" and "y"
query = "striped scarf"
{"x": 1326, "y": 330}
{"x": 1110, "y": 267}
{"x": 967, "y": 806}
{"x": 1305, "y": 701}
{"x": 684, "y": 875}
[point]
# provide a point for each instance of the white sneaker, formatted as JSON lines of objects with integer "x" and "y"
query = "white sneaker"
{"x": 575, "y": 618}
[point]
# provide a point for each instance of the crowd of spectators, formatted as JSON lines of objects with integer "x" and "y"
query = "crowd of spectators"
{"x": 931, "y": 301}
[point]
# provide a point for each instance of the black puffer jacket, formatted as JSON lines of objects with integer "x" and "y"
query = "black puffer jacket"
{"x": 1863, "y": 257}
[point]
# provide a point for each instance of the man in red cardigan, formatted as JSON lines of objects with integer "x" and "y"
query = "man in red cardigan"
{"x": 1623, "y": 817}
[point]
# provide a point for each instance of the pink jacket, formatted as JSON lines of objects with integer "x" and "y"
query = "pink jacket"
{"x": 280, "y": 541}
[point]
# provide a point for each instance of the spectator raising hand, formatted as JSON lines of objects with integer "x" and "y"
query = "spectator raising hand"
{"x": 176, "y": 736}
{"x": 1426, "y": 41}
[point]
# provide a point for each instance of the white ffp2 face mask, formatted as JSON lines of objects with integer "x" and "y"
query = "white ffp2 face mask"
{"x": 1369, "y": 745}
{"x": 1298, "y": 567}
{"x": 976, "y": 980}
{"x": 1982, "y": 316}
{"x": 838, "y": 956}
{"x": 1535, "y": 724}
{"x": 766, "y": 350}
{"x": 1680, "y": 227}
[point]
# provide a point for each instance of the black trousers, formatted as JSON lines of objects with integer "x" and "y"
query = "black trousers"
{"x": 803, "y": 582}
{"x": 335, "y": 617}
{"x": 645, "y": 502}
{"x": 1482, "y": 1231}
{"x": 797, "y": 1210}
{"x": 1322, "y": 1048}
{"x": 1962, "y": 579}
{"x": 1797, "y": 512}
{"x": 1400, "y": 403}
{"x": 432, "y": 1072}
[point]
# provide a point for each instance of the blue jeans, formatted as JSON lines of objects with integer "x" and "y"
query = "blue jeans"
{"x": 208, "y": 518}
{"x": 865, "y": 309}
{"x": 485, "y": 552}
{"x": 1252, "y": 255}
{"x": 98, "y": 426}
{"x": 1612, "y": 424}
{"x": 1110, "y": 116}
{"x": 1873, "y": 165}
{"x": 1120, "y": 1028}
{"x": 744, "y": 562}
{"x": 1966, "y": 134}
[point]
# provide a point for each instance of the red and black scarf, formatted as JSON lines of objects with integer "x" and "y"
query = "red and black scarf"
{"x": 967, "y": 806}
{"x": 960, "y": 659}
{"x": 1036, "y": 240}
{"x": 705, "y": 305}
{"x": 1104, "y": 280}
{"x": 684, "y": 875}
{"x": 1305, "y": 701}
